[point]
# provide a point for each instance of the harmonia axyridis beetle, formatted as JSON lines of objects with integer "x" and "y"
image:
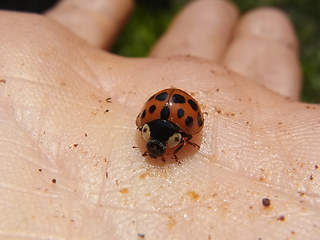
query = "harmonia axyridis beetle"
{"x": 169, "y": 118}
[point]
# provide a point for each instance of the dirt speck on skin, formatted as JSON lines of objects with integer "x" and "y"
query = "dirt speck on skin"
{"x": 94, "y": 113}
{"x": 53, "y": 180}
{"x": 124, "y": 191}
{"x": 316, "y": 167}
{"x": 193, "y": 195}
{"x": 310, "y": 107}
{"x": 266, "y": 202}
{"x": 75, "y": 145}
{"x": 108, "y": 100}
{"x": 3, "y": 81}
{"x": 140, "y": 235}
{"x": 281, "y": 218}
{"x": 172, "y": 221}
{"x": 143, "y": 175}
{"x": 85, "y": 134}
{"x": 39, "y": 170}
{"x": 227, "y": 114}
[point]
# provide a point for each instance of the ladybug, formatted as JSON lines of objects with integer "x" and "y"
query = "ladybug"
{"x": 169, "y": 118}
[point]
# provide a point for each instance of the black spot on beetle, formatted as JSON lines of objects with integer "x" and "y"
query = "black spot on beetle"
{"x": 199, "y": 119}
{"x": 189, "y": 121}
{"x": 162, "y": 96}
{"x": 180, "y": 113}
{"x": 152, "y": 108}
{"x": 165, "y": 112}
{"x": 143, "y": 114}
{"x": 177, "y": 98}
{"x": 193, "y": 104}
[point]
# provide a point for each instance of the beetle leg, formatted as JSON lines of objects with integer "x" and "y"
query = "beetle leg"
{"x": 182, "y": 142}
{"x": 191, "y": 143}
{"x": 146, "y": 154}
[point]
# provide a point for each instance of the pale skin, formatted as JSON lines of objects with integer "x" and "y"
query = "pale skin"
{"x": 71, "y": 156}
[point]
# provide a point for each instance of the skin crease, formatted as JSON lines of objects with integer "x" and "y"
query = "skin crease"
{"x": 71, "y": 164}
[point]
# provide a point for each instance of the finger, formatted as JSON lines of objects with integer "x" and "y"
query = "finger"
{"x": 202, "y": 29}
{"x": 265, "y": 49}
{"x": 96, "y": 21}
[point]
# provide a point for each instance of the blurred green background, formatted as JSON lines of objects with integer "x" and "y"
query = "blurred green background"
{"x": 150, "y": 19}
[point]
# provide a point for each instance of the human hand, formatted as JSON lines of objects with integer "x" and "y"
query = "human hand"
{"x": 68, "y": 110}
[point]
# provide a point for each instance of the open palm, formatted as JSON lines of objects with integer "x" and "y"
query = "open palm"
{"x": 71, "y": 156}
